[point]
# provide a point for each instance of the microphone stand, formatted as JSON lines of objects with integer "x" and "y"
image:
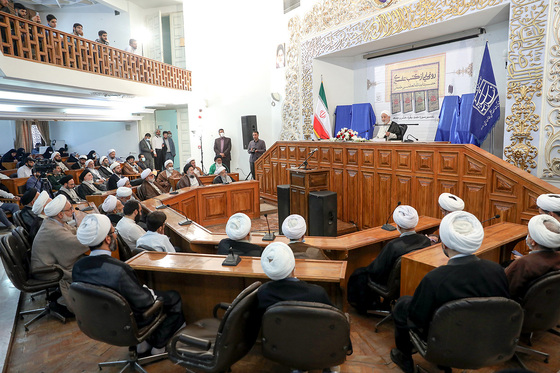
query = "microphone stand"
{"x": 202, "y": 155}
{"x": 306, "y": 159}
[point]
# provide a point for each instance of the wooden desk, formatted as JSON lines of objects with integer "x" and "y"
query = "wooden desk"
{"x": 98, "y": 199}
{"x": 206, "y": 180}
{"x": 14, "y": 184}
{"x": 214, "y": 204}
{"x": 499, "y": 240}
{"x": 9, "y": 172}
{"x": 203, "y": 282}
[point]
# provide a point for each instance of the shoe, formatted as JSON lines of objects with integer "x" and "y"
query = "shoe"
{"x": 61, "y": 310}
{"x": 157, "y": 351}
{"x": 404, "y": 362}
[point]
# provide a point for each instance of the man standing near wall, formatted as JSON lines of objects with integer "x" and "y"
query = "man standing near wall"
{"x": 169, "y": 145}
{"x": 159, "y": 147}
{"x": 222, "y": 148}
{"x": 147, "y": 150}
{"x": 256, "y": 148}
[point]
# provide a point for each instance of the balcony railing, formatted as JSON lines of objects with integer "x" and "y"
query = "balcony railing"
{"x": 34, "y": 42}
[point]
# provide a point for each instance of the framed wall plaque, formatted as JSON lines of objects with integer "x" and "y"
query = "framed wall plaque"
{"x": 419, "y": 101}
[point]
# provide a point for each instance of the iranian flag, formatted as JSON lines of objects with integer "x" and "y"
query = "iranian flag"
{"x": 321, "y": 119}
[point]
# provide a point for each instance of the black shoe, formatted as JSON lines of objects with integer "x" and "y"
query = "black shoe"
{"x": 404, "y": 362}
{"x": 61, "y": 310}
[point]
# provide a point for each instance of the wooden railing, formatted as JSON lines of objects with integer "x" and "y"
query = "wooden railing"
{"x": 34, "y": 42}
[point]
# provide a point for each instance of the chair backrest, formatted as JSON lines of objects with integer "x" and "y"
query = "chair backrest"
{"x": 124, "y": 251}
{"x": 403, "y": 127}
{"x": 541, "y": 303}
{"x": 140, "y": 193}
{"x": 236, "y": 336}
{"x": 13, "y": 268}
{"x": 18, "y": 221}
{"x": 494, "y": 323}
{"x": 305, "y": 335}
{"x": 104, "y": 315}
{"x": 21, "y": 235}
{"x": 392, "y": 290}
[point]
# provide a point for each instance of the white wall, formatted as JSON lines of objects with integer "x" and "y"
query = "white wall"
{"x": 82, "y": 137}
{"x": 232, "y": 55}
{"x": 8, "y": 131}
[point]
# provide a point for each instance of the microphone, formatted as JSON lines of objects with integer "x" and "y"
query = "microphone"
{"x": 497, "y": 216}
{"x": 387, "y": 226}
{"x": 270, "y": 235}
{"x": 408, "y": 138}
{"x": 313, "y": 151}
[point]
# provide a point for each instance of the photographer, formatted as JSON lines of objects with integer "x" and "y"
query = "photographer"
{"x": 38, "y": 179}
{"x": 256, "y": 148}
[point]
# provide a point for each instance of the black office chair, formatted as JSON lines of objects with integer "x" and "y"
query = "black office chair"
{"x": 18, "y": 221}
{"x": 305, "y": 335}
{"x": 124, "y": 250}
{"x": 104, "y": 315}
{"x": 403, "y": 128}
{"x": 211, "y": 345}
{"x": 18, "y": 268}
{"x": 23, "y": 237}
{"x": 541, "y": 305}
{"x": 390, "y": 293}
{"x": 491, "y": 326}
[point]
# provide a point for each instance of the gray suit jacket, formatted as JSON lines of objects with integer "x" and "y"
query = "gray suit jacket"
{"x": 146, "y": 149}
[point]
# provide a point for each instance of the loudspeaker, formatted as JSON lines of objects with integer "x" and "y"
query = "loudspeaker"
{"x": 283, "y": 192}
{"x": 248, "y": 125}
{"x": 322, "y": 213}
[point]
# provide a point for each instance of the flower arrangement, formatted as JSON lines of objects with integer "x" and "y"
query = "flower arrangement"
{"x": 346, "y": 134}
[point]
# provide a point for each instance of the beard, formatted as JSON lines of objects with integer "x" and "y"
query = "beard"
{"x": 113, "y": 244}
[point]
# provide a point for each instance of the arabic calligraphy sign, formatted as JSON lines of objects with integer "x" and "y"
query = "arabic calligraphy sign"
{"x": 416, "y": 75}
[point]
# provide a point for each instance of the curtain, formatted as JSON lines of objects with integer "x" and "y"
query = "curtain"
{"x": 43, "y": 128}
{"x": 24, "y": 139}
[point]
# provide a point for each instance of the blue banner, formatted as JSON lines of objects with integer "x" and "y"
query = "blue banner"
{"x": 446, "y": 114}
{"x": 486, "y": 104}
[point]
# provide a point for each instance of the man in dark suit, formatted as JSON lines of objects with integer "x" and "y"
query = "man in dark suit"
{"x": 222, "y": 147}
{"x": 543, "y": 240}
{"x": 464, "y": 276}
{"x": 99, "y": 268}
{"x": 147, "y": 150}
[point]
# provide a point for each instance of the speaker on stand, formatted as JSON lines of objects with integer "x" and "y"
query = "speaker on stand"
{"x": 322, "y": 214}
{"x": 283, "y": 193}
{"x": 248, "y": 125}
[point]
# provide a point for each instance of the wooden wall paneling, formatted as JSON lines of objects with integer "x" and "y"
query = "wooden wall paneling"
{"x": 508, "y": 210}
{"x": 298, "y": 202}
{"x": 475, "y": 198}
{"x": 283, "y": 152}
{"x": 424, "y": 162}
{"x": 367, "y": 182}
{"x": 384, "y": 195}
{"x": 242, "y": 201}
{"x": 275, "y": 167}
{"x": 213, "y": 206}
{"x": 338, "y": 155}
{"x": 292, "y": 153}
{"x": 448, "y": 163}
{"x": 404, "y": 161}
{"x": 337, "y": 185}
{"x": 503, "y": 185}
{"x": 324, "y": 157}
{"x": 268, "y": 180}
{"x": 352, "y": 157}
{"x": 189, "y": 208}
{"x": 473, "y": 168}
{"x": 302, "y": 153}
{"x": 274, "y": 153}
{"x": 403, "y": 189}
{"x": 352, "y": 194}
{"x": 384, "y": 159}
{"x": 368, "y": 158}
{"x": 529, "y": 201}
{"x": 284, "y": 174}
{"x": 423, "y": 199}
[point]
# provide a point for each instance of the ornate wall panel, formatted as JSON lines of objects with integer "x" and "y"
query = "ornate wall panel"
{"x": 367, "y": 183}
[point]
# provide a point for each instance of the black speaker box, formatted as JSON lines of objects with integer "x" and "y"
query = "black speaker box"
{"x": 248, "y": 125}
{"x": 283, "y": 192}
{"x": 322, "y": 213}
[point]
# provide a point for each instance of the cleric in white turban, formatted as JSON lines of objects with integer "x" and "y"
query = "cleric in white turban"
{"x": 238, "y": 229}
{"x": 543, "y": 241}
{"x": 464, "y": 276}
{"x": 124, "y": 193}
{"x": 110, "y": 204}
{"x": 278, "y": 263}
{"x": 294, "y": 228}
{"x": 222, "y": 177}
{"x": 379, "y": 270}
{"x": 549, "y": 204}
{"x": 93, "y": 230}
{"x": 449, "y": 202}
{"x": 40, "y": 203}
{"x": 122, "y": 182}
{"x": 388, "y": 129}
{"x": 56, "y": 206}
{"x": 113, "y": 208}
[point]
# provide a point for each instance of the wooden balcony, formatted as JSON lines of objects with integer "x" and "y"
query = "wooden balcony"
{"x": 31, "y": 41}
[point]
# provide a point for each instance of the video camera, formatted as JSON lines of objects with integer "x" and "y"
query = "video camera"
{"x": 44, "y": 166}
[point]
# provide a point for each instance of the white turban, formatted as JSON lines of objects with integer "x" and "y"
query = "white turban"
{"x": 190, "y": 160}
{"x": 145, "y": 173}
{"x": 113, "y": 165}
{"x": 40, "y": 203}
{"x": 277, "y": 261}
{"x": 294, "y": 227}
{"x": 93, "y": 229}
{"x": 220, "y": 169}
{"x": 109, "y": 204}
{"x": 122, "y": 182}
{"x": 549, "y": 202}
{"x": 405, "y": 216}
{"x": 102, "y": 159}
{"x": 386, "y": 112}
{"x": 461, "y": 231}
{"x": 54, "y": 154}
{"x": 56, "y": 205}
{"x": 450, "y": 202}
{"x": 238, "y": 226}
{"x": 88, "y": 162}
{"x": 83, "y": 157}
{"x": 124, "y": 192}
{"x": 167, "y": 162}
{"x": 110, "y": 151}
{"x": 540, "y": 233}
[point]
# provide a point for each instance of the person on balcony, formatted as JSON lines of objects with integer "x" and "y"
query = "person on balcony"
{"x": 78, "y": 30}
{"x": 102, "y": 37}
{"x": 51, "y": 20}
{"x": 132, "y": 46}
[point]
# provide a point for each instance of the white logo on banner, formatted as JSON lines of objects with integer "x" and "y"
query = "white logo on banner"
{"x": 485, "y": 95}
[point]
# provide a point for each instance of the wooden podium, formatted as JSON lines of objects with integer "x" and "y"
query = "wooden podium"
{"x": 301, "y": 183}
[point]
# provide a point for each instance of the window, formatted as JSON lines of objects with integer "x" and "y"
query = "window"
{"x": 37, "y": 138}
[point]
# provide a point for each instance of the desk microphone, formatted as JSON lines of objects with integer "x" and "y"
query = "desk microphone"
{"x": 387, "y": 226}
{"x": 270, "y": 235}
{"x": 408, "y": 138}
{"x": 497, "y": 216}
{"x": 313, "y": 151}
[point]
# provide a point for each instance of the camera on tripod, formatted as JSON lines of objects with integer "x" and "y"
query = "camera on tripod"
{"x": 44, "y": 166}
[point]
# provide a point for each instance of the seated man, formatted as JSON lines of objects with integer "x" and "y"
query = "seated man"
{"x": 155, "y": 237}
{"x": 130, "y": 167}
{"x": 9, "y": 207}
{"x": 26, "y": 169}
{"x": 124, "y": 194}
{"x": 112, "y": 182}
{"x": 189, "y": 179}
{"x": 38, "y": 182}
{"x": 113, "y": 208}
{"x": 238, "y": 229}
{"x": 87, "y": 187}
{"x": 222, "y": 177}
{"x": 57, "y": 159}
{"x": 81, "y": 164}
{"x": 128, "y": 226}
{"x": 464, "y": 276}
{"x": 27, "y": 215}
{"x": 99, "y": 268}
{"x": 112, "y": 156}
{"x": 105, "y": 168}
{"x": 68, "y": 190}
{"x": 55, "y": 177}
{"x": 37, "y": 210}
{"x": 389, "y": 130}
{"x": 549, "y": 204}
{"x": 97, "y": 178}
{"x": 449, "y": 203}
{"x": 197, "y": 170}
{"x": 217, "y": 164}
{"x": 142, "y": 165}
{"x": 294, "y": 228}
{"x": 150, "y": 188}
{"x": 543, "y": 240}
{"x": 165, "y": 176}
{"x": 56, "y": 243}
{"x": 278, "y": 263}
{"x": 359, "y": 293}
